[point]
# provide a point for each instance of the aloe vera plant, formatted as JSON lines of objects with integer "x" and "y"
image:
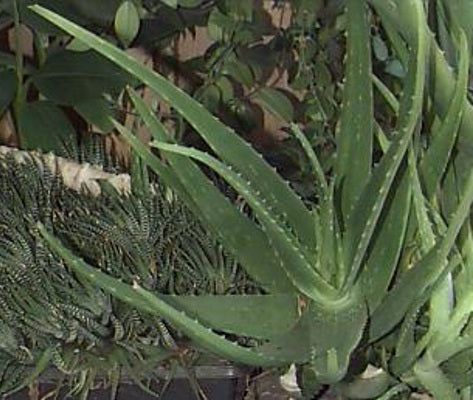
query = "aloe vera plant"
{"x": 336, "y": 266}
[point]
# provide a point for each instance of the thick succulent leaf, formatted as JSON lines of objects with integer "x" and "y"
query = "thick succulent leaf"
{"x": 458, "y": 320}
{"x": 236, "y": 232}
{"x": 443, "y": 81}
{"x": 432, "y": 377}
{"x": 435, "y": 160}
{"x": 387, "y": 244}
{"x": 449, "y": 348}
{"x": 224, "y": 142}
{"x": 293, "y": 257}
{"x": 414, "y": 282}
{"x": 409, "y": 348}
{"x": 257, "y": 316}
{"x": 440, "y": 301}
{"x": 354, "y": 141}
{"x": 370, "y": 387}
{"x": 327, "y": 232}
{"x": 146, "y": 301}
{"x": 364, "y": 217}
{"x": 335, "y": 331}
{"x": 312, "y": 157}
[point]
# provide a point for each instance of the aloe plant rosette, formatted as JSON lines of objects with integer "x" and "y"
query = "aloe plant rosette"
{"x": 333, "y": 272}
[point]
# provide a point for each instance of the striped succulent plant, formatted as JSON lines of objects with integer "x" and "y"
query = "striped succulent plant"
{"x": 338, "y": 275}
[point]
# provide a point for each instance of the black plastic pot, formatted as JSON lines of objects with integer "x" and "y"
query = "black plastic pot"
{"x": 222, "y": 382}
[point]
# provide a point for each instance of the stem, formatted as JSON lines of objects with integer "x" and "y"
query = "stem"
{"x": 19, "y": 96}
{"x": 40, "y": 42}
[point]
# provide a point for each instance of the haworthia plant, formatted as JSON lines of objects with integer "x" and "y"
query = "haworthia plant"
{"x": 334, "y": 263}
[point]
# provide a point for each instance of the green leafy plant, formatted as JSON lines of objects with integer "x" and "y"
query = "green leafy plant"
{"x": 51, "y": 319}
{"x": 342, "y": 266}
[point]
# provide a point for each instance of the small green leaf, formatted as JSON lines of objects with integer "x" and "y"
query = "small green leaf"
{"x": 97, "y": 112}
{"x": 127, "y": 22}
{"x": 395, "y": 68}
{"x": 239, "y": 71}
{"x": 226, "y": 88}
{"x": 379, "y": 48}
{"x": 44, "y": 126}
{"x": 77, "y": 45}
{"x": 276, "y": 102}
{"x": 190, "y": 3}
{"x": 70, "y": 77}
{"x": 8, "y": 88}
{"x": 217, "y": 24}
{"x": 209, "y": 96}
{"x": 243, "y": 9}
{"x": 171, "y": 3}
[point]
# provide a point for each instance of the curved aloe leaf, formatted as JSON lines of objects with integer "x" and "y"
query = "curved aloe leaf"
{"x": 387, "y": 244}
{"x": 335, "y": 331}
{"x": 354, "y": 141}
{"x": 144, "y": 300}
{"x": 433, "y": 378}
{"x": 257, "y": 316}
{"x": 230, "y": 147}
{"x": 235, "y": 230}
{"x": 364, "y": 216}
{"x": 294, "y": 258}
{"x": 435, "y": 161}
{"x": 443, "y": 82}
{"x": 414, "y": 282}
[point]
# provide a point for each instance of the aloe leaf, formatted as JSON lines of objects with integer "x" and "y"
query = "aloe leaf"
{"x": 435, "y": 161}
{"x": 448, "y": 349}
{"x": 459, "y": 319}
{"x": 324, "y": 220}
{"x": 389, "y": 236}
{"x": 386, "y": 93}
{"x": 440, "y": 306}
{"x": 294, "y": 258}
{"x": 414, "y": 282}
{"x": 236, "y": 232}
{"x": 442, "y": 87}
{"x": 354, "y": 141}
{"x": 292, "y": 345}
{"x": 364, "y": 217}
{"x": 312, "y": 157}
{"x": 257, "y": 316}
{"x": 434, "y": 380}
{"x": 387, "y": 244}
{"x": 335, "y": 331}
{"x": 144, "y": 300}
{"x": 223, "y": 141}
{"x": 408, "y": 347}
